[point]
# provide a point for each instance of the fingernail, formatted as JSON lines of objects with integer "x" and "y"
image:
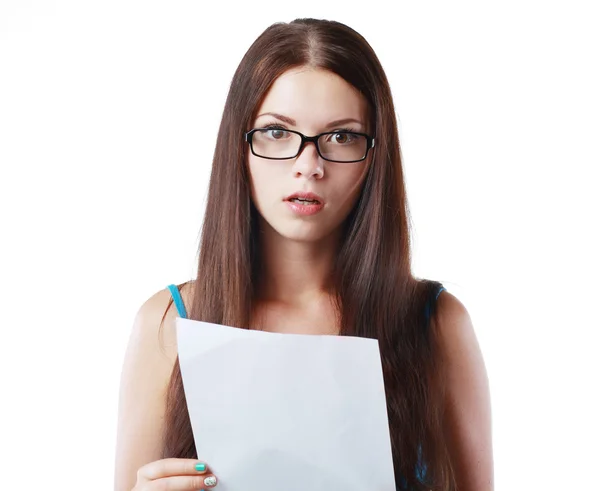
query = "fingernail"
{"x": 210, "y": 481}
{"x": 201, "y": 468}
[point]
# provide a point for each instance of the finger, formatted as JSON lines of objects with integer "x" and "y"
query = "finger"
{"x": 172, "y": 467}
{"x": 182, "y": 483}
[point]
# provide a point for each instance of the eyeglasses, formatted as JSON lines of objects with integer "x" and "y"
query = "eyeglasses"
{"x": 282, "y": 144}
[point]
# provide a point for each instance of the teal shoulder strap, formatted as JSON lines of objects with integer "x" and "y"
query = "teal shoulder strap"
{"x": 178, "y": 301}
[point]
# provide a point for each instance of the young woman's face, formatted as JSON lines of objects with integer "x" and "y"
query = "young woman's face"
{"x": 313, "y": 99}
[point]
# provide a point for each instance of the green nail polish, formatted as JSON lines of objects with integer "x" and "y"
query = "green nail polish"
{"x": 200, "y": 467}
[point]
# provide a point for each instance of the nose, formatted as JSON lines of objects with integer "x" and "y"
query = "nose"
{"x": 308, "y": 162}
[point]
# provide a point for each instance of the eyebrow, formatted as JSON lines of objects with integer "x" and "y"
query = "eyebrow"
{"x": 293, "y": 121}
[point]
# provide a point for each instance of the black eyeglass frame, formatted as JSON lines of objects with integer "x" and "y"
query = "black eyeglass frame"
{"x": 315, "y": 139}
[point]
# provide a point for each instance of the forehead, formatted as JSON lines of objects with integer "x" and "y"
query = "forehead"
{"x": 314, "y": 96}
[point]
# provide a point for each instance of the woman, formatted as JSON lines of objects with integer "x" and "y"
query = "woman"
{"x": 311, "y": 235}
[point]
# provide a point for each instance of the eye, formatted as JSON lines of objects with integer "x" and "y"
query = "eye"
{"x": 276, "y": 132}
{"x": 342, "y": 136}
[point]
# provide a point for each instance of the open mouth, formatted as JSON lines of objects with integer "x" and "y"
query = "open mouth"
{"x": 303, "y": 201}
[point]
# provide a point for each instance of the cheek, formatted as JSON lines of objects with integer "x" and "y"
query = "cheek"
{"x": 349, "y": 184}
{"x": 255, "y": 174}
{"x": 263, "y": 182}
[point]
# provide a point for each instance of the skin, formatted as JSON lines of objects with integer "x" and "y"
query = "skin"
{"x": 295, "y": 297}
{"x": 298, "y": 250}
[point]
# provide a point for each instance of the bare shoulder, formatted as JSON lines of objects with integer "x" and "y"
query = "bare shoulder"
{"x": 467, "y": 419}
{"x": 150, "y": 326}
{"x": 457, "y": 339}
{"x": 450, "y": 308}
{"x": 456, "y": 333}
{"x": 152, "y": 347}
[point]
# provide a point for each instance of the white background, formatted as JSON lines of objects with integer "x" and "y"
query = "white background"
{"x": 108, "y": 119}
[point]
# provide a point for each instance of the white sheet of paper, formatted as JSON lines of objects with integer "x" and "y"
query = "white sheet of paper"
{"x": 286, "y": 412}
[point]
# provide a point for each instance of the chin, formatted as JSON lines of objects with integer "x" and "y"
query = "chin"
{"x": 299, "y": 236}
{"x": 296, "y": 231}
{"x": 307, "y": 233}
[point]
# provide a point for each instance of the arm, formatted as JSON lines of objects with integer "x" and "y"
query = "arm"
{"x": 467, "y": 422}
{"x": 146, "y": 371}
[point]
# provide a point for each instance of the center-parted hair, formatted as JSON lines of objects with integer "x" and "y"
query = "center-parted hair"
{"x": 377, "y": 294}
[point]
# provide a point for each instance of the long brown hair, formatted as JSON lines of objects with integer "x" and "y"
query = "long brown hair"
{"x": 377, "y": 294}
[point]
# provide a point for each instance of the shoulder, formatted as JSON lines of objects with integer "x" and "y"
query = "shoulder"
{"x": 455, "y": 336}
{"x": 158, "y": 302}
{"x": 467, "y": 414}
{"x": 155, "y": 320}
{"x": 452, "y": 314}
{"x": 455, "y": 333}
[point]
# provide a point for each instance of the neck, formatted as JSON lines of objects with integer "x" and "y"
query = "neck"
{"x": 295, "y": 273}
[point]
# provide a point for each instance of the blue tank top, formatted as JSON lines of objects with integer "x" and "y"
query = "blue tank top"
{"x": 422, "y": 467}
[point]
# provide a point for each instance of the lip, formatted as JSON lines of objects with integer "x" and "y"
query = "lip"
{"x": 303, "y": 195}
{"x": 305, "y": 210}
